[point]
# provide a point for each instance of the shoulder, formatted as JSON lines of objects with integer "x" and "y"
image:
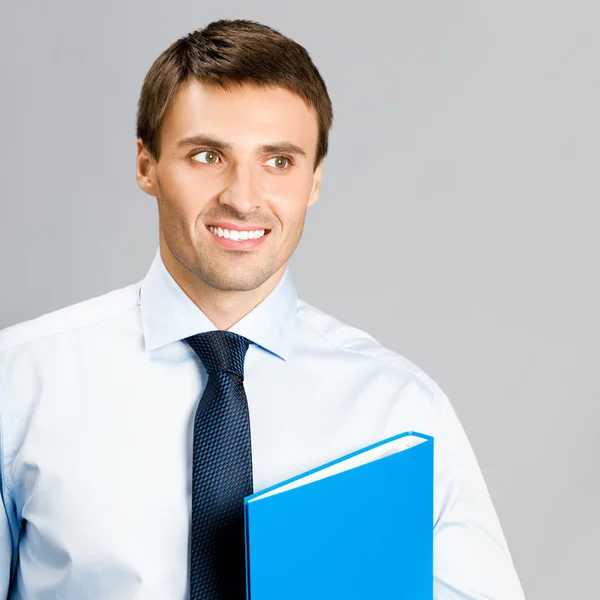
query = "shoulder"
{"x": 346, "y": 338}
{"x": 69, "y": 318}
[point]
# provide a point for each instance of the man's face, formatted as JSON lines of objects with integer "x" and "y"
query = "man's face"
{"x": 229, "y": 178}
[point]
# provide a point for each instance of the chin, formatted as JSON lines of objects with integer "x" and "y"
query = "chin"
{"x": 244, "y": 281}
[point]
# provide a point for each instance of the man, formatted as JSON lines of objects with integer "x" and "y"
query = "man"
{"x": 126, "y": 446}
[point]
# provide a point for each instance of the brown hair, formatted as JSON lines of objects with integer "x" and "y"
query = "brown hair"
{"x": 226, "y": 53}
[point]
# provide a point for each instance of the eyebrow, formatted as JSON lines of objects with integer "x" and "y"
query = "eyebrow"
{"x": 206, "y": 140}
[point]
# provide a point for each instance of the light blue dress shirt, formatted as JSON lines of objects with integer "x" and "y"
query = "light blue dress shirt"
{"x": 96, "y": 410}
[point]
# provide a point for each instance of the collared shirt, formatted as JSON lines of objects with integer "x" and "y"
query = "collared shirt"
{"x": 96, "y": 411}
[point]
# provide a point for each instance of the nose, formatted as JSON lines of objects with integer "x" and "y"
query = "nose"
{"x": 241, "y": 192}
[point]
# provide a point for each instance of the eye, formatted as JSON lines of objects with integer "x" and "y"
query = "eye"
{"x": 279, "y": 160}
{"x": 210, "y": 155}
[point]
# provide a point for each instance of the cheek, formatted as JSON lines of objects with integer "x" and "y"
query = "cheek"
{"x": 290, "y": 210}
{"x": 290, "y": 193}
{"x": 185, "y": 190}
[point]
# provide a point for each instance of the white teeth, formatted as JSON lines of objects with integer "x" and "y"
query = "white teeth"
{"x": 237, "y": 235}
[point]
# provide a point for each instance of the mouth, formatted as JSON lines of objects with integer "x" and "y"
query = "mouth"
{"x": 237, "y": 239}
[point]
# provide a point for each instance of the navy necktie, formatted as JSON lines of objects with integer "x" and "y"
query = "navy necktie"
{"x": 222, "y": 469}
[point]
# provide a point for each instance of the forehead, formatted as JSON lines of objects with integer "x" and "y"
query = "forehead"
{"x": 247, "y": 115}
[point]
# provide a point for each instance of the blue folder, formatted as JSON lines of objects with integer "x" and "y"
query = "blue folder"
{"x": 365, "y": 532}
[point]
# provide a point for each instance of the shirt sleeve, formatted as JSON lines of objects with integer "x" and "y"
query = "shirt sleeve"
{"x": 8, "y": 539}
{"x": 5, "y": 550}
{"x": 471, "y": 556}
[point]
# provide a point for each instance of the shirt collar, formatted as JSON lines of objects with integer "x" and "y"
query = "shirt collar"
{"x": 169, "y": 315}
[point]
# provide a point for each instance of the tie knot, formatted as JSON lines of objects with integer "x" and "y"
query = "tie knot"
{"x": 220, "y": 350}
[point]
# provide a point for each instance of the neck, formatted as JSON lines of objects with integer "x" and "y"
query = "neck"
{"x": 224, "y": 308}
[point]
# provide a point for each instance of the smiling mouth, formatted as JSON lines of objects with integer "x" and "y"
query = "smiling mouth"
{"x": 239, "y": 235}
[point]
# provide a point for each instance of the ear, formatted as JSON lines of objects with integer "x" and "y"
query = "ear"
{"x": 316, "y": 188}
{"x": 145, "y": 170}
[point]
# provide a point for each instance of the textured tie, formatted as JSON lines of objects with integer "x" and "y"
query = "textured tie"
{"x": 222, "y": 470}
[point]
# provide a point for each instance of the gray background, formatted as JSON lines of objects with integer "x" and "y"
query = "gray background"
{"x": 457, "y": 223}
